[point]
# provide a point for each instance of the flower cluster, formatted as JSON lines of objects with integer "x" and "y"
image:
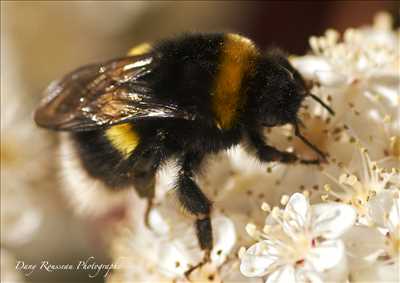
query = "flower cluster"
{"x": 23, "y": 166}
{"x": 166, "y": 248}
{"x": 359, "y": 76}
{"x": 358, "y": 190}
{"x": 300, "y": 243}
{"x": 338, "y": 222}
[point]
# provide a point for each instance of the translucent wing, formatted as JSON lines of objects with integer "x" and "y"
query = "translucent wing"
{"x": 101, "y": 95}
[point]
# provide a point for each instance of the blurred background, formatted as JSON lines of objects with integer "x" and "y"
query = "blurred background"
{"x": 41, "y": 41}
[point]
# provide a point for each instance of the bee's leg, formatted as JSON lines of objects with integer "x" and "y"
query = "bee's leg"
{"x": 147, "y": 191}
{"x": 196, "y": 203}
{"x": 145, "y": 188}
{"x": 146, "y": 162}
{"x": 267, "y": 153}
{"x": 204, "y": 235}
{"x": 147, "y": 212}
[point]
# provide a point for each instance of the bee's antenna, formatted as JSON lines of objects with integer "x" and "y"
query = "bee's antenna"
{"x": 322, "y": 103}
{"x": 309, "y": 144}
{"x": 301, "y": 123}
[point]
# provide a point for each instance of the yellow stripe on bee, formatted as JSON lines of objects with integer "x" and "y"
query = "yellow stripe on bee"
{"x": 140, "y": 49}
{"x": 124, "y": 138}
{"x": 236, "y": 58}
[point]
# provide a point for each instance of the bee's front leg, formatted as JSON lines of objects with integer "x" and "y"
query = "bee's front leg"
{"x": 267, "y": 153}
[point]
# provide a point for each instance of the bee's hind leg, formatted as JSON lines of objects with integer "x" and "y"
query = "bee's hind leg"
{"x": 204, "y": 235}
{"x": 146, "y": 189}
{"x": 146, "y": 163}
{"x": 147, "y": 212}
{"x": 196, "y": 203}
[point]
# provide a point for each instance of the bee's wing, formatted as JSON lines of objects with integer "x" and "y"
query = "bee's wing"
{"x": 101, "y": 95}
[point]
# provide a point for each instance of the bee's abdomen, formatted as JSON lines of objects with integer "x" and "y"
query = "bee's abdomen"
{"x": 107, "y": 154}
{"x": 124, "y": 138}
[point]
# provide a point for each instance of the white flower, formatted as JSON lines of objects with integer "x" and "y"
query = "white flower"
{"x": 358, "y": 77}
{"x": 164, "y": 251}
{"x": 361, "y": 56}
{"x": 23, "y": 165}
{"x": 363, "y": 181}
{"x": 375, "y": 253}
{"x": 169, "y": 247}
{"x": 383, "y": 138}
{"x": 300, "y": 242}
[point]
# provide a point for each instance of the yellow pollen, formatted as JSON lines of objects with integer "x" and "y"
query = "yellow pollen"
{"x": 284, "y": 199}
{"x": 327, "y": 188}
{"x": 387, "y": 119}
{"x": 251, "y": 229}
{"x": 241, "y": 252}
{"x": 265, "y": 207}
{"x": 324, "y": 197}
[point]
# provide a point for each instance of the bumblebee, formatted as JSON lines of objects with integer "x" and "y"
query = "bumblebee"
{"x": 183, "y": 98}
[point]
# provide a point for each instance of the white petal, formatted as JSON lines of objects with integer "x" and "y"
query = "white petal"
{"x": 330, "y": 220}
{"x": 386, "y": 85}
{"x": 309, "y": 65}
{"x": 284, "y": 274}
{"x": 339, "y": 273}
{"x": 380, "y": 205}
{"x": 330, "y": 78}
{"x": 364, "y": 242}
{"x": 394, "y": 216}
{"x": 326, "y": 255}
{"x": 175, "y": 258}
{"x": 230, "y": 272}
{"x": 298, "y": 208}
{"x": 255, "y": 261}
{"x": 377, "y": 272}
{"x": 255, "y": 266}
{"x": 389, "y": 273}
{"x": 224, "y": 234}
{"x": 158, "y": 223}
{"x": 303, "y": 275}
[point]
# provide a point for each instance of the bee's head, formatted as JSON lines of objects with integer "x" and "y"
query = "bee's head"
{"x": 277, "y": 91}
